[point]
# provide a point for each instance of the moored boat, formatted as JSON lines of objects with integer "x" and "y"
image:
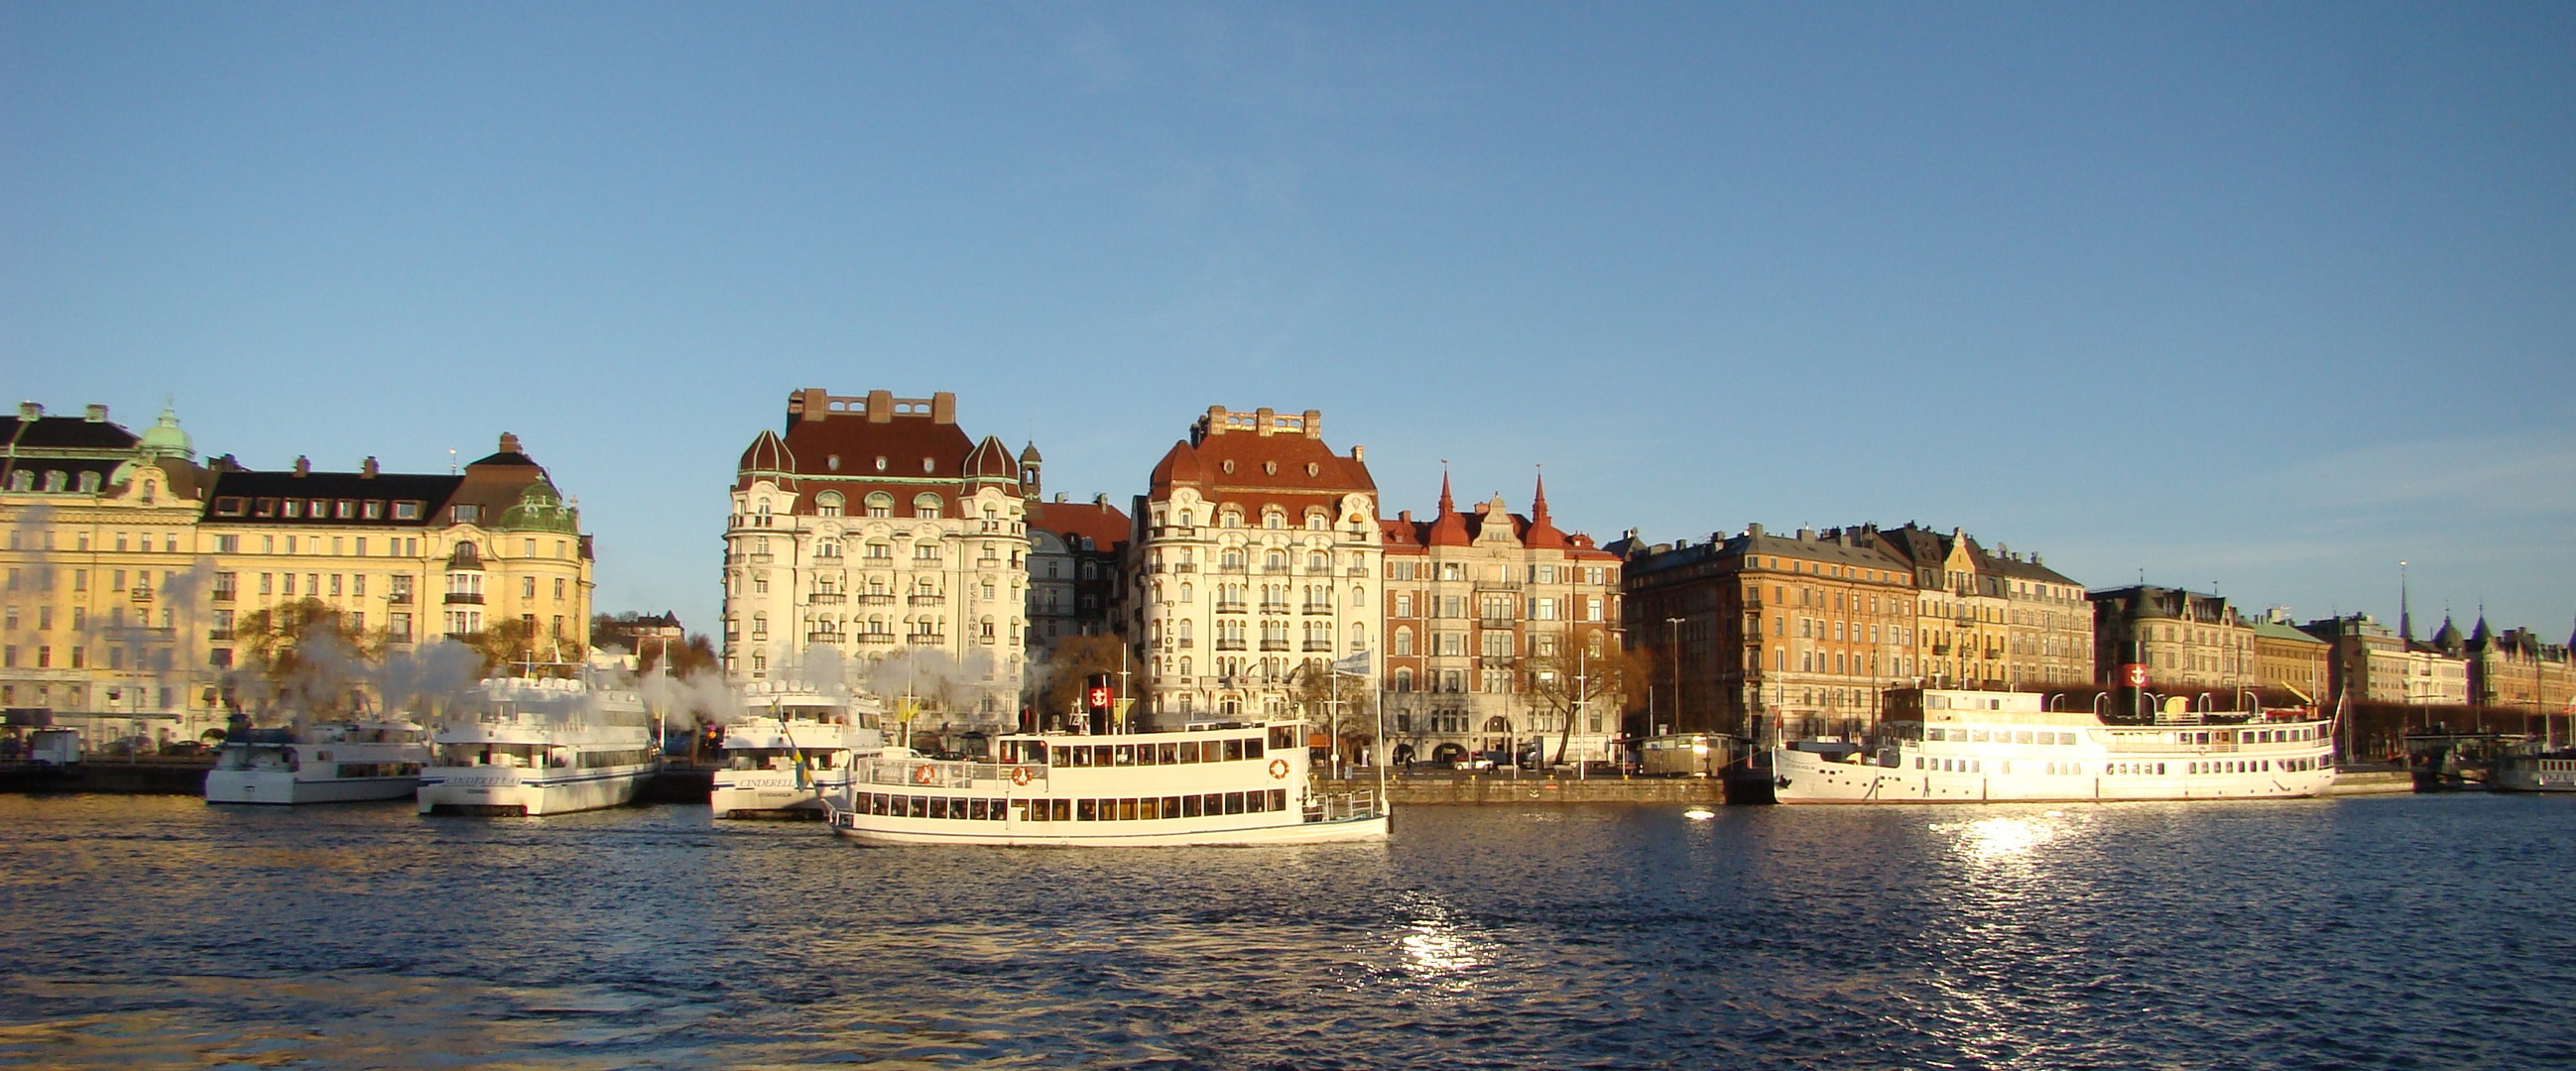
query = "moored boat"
{"x": 334, "y": 762}
{"x": 1208, "y": 784}
{"x": 537, "y": 746}
{"x": 2535, "y": 770}
{"x": 780, "y": 763}
{"x": 1985, "y": 747}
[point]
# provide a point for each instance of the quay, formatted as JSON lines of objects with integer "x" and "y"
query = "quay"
{"x": 682, "y": 783}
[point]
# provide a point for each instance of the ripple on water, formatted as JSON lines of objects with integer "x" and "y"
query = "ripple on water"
{"x": 2423, "y": 932}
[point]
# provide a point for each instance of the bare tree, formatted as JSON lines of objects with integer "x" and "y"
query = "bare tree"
{"x": 1329, "y": 699}
{"x": 305, "y": 655}
{"x": 1075, "y": 659}
{"x": 1587, "y": 670}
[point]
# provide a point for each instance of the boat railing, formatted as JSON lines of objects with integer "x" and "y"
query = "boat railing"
{"x": 1345, "y": 806}
{"x": 948, "y": 773}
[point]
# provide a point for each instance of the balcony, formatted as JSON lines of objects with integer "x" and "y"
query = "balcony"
{"x": 757, "y": 559}
{"x": 1186, "y": 567}
{"x": 875, "y": 638}
{"x": 1356, "y": 570}
{"x": 1230, "y": 607}
{"x": 1274, "y": 645}
{"x": 822, "y": 637}
{"x": 1316, "y": 608}
{"x": 1229, "y": 645}
{"x": 222, "y": 595}
{"x": 1319, "y": 645}
{"x": 825, "y": 598}
{"x": 1185, "y": 642}
{"x": 1497, "y": 622}
{"x": 1274, "y": 607}
{"x": 1498, "y": 585}
{"x": 1232, "y": 567}
{"x": 469, "y": 598}
{"x": 219, "y": 635}
{"x": 876, "y": 598}
{"x": 925, "y": 600}
{"x": 399, "y": 598}
{"x": 922, "y": 639}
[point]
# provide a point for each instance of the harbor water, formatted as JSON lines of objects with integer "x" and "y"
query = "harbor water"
{"x": 2429, "y": 932}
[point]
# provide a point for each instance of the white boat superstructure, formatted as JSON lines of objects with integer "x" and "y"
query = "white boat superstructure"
{"x": 1986, "y": 747}
{"x": 1221, "y": 783}
{"x": 335, "y": 762}
{"x": 2534, "y": 770}
{"x": 781, "y": 763}
{"x": 538, "y": 746}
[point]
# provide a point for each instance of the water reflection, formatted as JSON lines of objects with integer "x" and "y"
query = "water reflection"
{"x": 165, "y": 934}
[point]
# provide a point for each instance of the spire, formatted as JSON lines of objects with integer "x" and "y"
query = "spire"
{"x": 1448, "y": 529}
{"x": 2405, "y": 608}
{"x": 1542, "y": 533}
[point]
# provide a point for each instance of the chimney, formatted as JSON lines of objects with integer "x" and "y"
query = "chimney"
{"x": 1101, "y": 499}
{"x": 1314, "y": 423}
{"x": 1358, "y": 452}
{"x": 367, "y": 469}
{"x": 1059, "y": 496}
{"x": 509, "y": 443}
{"x": 303, "y": 466}
{"x": 1262, "y": 418}
{"x": 1754, "y": 529}
{"x": 1806, "y": 535}
{"x": 811, "y": 403}
{"x": 30, "y": 410}
{"x": 1404, "y": 515}
{"x": 880, "y": 407}
{"x": 97, "y": 413}
{"x": 943, "y": 407}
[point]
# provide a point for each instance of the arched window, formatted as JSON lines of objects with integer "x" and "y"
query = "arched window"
{"x": 925, "y": 506}
{"x": 1498, "y": 724}
{"x": 1275, "y": 561}
{"x": 1188, "y": 592}
{"x": 880, "y": 504}
{"x": 828, "y": 504}
{"x": 1404, "y": 680}
{"x": 1315, "y": 520}
{"x": 1274, "y": 518}
{"x": 1231, "y": 558}
{"x": 1359, "y": 597}
{"x": 1231, "y": 518}
{"x": 1316, "y": 560}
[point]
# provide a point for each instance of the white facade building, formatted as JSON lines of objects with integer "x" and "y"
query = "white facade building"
{"x": 874, "y": 528}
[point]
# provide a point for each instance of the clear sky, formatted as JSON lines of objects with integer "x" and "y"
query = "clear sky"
{"x": 2263, "y": 296}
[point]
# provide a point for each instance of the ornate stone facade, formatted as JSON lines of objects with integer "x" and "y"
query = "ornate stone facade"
{"x": 873, "y": 525}
{"x": 1255, "y": 558}
{"x": 1492, "y": 619}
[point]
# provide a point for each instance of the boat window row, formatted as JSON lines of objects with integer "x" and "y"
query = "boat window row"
{"x": 595, "y": 759}
{"x": 353, "y": 770}
{"x": 1122, "y": 809}
{"x": 1951, "y": 765}
{"x": 1177, "y": 753}
{"x": 2000, "y": 736}
{"x": 2258, "y": 766}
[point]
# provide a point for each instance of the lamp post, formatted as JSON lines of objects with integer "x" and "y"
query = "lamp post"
{"x": 1676, "y": 624}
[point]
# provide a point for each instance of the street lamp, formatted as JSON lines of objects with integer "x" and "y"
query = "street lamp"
{"x": 1676, "y": 624}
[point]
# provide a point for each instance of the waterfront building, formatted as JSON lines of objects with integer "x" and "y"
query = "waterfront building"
{"x": 1254, "y": 558}
{"x": 2291, "y": 660}
{"x": 405, "y": 558}
{"x": 1993, "y": 619}
{"x": 2371, "y": 664}
{"x": 1805, "y": 631}
{"x": 873, "y": 525}
{"x": 1493, "y": 620}
{"x": 104, "y": 586}
{"x": 2187, "y": 640}
{"x": 2516, "y": 670}
{"x": 1074, "y": 553}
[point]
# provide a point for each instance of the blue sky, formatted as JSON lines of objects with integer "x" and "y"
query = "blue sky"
{"x": 2262, "y": 296}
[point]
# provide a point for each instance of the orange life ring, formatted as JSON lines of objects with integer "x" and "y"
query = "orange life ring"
{"x": 1020, "y": 775}
{"x": 924, "y": 774}
{"x": 1279, "y": 769}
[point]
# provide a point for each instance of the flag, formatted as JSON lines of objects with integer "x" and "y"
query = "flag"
{"x": 1356, "y": 665}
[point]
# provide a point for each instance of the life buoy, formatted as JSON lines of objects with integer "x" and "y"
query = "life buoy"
{"x": 1020, "y": 775}
{"x": 925, "y": 774}
{"x": 1279, "y": 769}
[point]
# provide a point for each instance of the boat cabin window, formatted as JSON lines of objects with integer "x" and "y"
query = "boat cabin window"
{"x": 1166, "y": 754}
{"x": 1936, "y": 734}
{"x": 1282, "y": 737}
{"x": 1124, "y": 755}
{"x": 1976, "y": 736}
{"x": 1234, "y": 750}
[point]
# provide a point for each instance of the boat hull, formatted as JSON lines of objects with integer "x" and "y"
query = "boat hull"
{"x": 774, "y": 796}
{"x": 882, "y": 829}
{"x": 1807, "y": 778}
{"x": 510, "y": 792}
{"x": 280, "y": 787}
{"x": 2523, "y": 774}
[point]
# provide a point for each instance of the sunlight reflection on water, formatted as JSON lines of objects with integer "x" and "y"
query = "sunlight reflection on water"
{"x": 168, "y": 934}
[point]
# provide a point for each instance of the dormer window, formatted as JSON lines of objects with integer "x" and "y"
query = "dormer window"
{"x": 1270, "y": 468}
{"x": 929, "y": 465}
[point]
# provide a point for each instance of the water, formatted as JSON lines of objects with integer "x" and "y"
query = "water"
{"x": 2399, "y": 932}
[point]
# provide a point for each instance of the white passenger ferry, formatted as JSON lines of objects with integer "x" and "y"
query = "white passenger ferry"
{"x": 2536, "y": 770}
{"x": 1225, "y": 783}
{"x": 1982, "y": 747}
{"x": 798, "y": 747}
{"x": 324, "y": 763}
{"x": 540, "y": 745}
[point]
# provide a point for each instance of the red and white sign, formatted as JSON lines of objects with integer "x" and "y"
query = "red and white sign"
{"x": 2135, "y": 674}
{"x": 1099, "y": 696}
